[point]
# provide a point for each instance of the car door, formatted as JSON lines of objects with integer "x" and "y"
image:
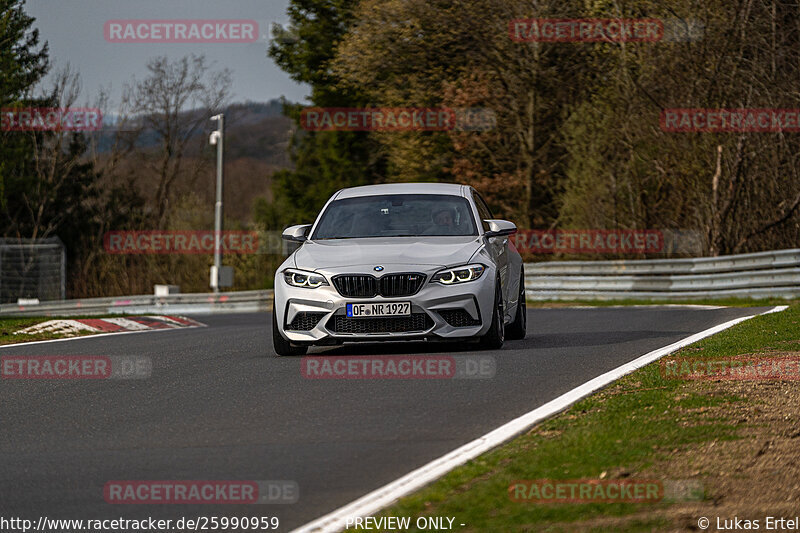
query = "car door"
{"x": 498, "y": 248}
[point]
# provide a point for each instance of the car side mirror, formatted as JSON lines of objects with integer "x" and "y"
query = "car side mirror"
{"x": 500, "y": 228}
{"x": 296, "y": 233}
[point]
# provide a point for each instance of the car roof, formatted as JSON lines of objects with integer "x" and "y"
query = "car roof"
{"x": 402, "y": 188}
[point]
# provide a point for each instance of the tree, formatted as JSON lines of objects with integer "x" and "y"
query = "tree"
{"x": 173, "y": 105}
{"x": 323, "y": 161}
{"x": 23, "y": 62}
{"x": 460, "y": 54}
{"x": 741, "y": 190}
{"x": 54, "y": 191}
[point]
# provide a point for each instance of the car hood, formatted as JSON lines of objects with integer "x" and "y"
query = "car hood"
{"x": 430, "y": 251}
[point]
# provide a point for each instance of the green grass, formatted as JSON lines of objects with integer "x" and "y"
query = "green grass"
{"x": 629, "y": 426}
{"x": 9, "y": 325}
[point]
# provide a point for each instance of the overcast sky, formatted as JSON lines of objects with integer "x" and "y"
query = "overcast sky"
{"x": 74, "y": 29}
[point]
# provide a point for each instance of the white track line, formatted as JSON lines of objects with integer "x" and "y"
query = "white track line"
{"x": 638, "y": 306}
{"x": 378, "y": 499}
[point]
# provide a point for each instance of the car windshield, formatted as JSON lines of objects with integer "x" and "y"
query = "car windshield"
{"x": 397, "y": 215}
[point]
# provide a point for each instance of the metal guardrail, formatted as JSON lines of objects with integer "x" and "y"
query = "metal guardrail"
{"x": 195, "y": 303}
{"x": 758, "y": 275}
{"x": 702, "y": 265}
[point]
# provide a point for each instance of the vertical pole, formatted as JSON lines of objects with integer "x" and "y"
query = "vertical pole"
{"x": 218, "y": 205}
{"x": 63, "y": 271}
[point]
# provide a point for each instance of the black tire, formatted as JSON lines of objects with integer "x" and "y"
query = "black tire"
{"x": 282, "y": 346}
{"x": 493, "y": 340}
{"x": 517, "y": 329}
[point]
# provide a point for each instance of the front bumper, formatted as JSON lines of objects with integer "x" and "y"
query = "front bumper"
{"x": 323, "y": 311}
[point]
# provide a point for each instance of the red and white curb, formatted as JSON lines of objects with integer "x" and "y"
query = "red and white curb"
{"x": 110, "y": 325}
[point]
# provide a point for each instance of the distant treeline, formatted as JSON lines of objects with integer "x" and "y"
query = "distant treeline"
{"x": 582, "y": 135}
{"x": 578, "y": 141}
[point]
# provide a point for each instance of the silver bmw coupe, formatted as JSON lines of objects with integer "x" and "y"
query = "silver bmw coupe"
{"x": 400, "y": 262}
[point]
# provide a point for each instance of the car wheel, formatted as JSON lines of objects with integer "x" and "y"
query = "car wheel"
{"x": 281, "y": 345}
{"x": 516, "y": 330}
{"x": 494, "y": 338}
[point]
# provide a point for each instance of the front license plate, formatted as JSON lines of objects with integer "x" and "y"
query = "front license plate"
{"x": 378, "y": 309}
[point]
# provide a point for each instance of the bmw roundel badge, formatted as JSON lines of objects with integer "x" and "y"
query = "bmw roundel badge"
{"x": 378, "y": 268}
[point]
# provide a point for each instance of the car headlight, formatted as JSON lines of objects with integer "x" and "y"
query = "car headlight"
{"x": 461, "y": 274}
{"x": 302, "y": 278}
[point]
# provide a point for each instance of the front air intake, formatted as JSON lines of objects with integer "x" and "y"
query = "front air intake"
{"x": 388, "y": 286}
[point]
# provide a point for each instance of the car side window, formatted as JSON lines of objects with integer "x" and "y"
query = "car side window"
{"x": 483, "y": 210}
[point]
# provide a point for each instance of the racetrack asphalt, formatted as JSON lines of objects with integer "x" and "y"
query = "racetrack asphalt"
{"x": 220, "y": 406}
